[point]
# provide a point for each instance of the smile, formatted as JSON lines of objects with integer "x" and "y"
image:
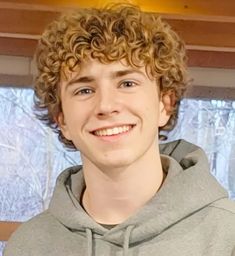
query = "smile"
{"x": 113, "y": 131}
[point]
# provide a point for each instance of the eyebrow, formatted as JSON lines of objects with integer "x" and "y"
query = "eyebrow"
{"x": 126, "y": 72}
{"x": 83, "y": 79}
{"x": 116, "y": 74}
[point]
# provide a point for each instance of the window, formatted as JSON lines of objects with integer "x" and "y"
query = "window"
{"x": 210, "y": 124}
{"x": 31, "y": 157}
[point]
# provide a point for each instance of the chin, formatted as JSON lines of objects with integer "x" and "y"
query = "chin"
{"x": 117, "y": 162}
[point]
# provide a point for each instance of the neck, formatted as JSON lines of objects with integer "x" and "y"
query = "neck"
{"x": 113, "y": 195}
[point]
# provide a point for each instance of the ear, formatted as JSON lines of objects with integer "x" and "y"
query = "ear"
{"x": 167, "y": 101}
{"x": 60, "y": 120}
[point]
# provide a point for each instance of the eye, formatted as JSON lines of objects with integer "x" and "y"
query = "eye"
{"x": 84, "y": 91}
{"x": 128, "y": 84}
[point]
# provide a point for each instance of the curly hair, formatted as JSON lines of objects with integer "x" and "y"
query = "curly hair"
{"x": 109, "y": 34}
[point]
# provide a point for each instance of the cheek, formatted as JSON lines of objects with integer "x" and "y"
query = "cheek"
{"x": 151, "y": 106}
{"x": 78, "y": 119}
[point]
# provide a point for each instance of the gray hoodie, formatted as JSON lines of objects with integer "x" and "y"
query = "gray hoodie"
{"x": 190, "y": 215}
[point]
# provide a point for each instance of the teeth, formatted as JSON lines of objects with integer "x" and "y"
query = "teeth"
{"x": 113, "y": 131}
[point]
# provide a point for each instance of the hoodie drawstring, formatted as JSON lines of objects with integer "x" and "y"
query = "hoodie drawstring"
{"x": 89, "y": 241}
{"x": 126, "y": 242}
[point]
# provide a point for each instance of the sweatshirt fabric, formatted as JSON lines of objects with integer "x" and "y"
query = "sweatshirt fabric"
{"x": 190, "y": 215}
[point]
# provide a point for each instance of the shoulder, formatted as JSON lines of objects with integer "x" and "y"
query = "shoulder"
{"x": 222, "y": 218}
{"x": 35, "y": 225}
{"x": 29, "y": 235}
{"x": 225, "y": 205}
{"x": 222, "y": 212}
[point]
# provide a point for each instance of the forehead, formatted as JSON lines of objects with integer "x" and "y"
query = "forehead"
{"x": 95, "y": 69}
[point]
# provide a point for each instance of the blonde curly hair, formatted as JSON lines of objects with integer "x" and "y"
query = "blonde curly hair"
{"x": 109, "y": 34}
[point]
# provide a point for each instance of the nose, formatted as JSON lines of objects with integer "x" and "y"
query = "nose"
{"x": 107, "y": 103}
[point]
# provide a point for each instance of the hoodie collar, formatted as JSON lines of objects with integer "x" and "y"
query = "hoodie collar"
{"x": 184, "y": 192}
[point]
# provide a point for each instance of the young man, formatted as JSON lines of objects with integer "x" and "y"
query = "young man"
{"x": 108, "y": 81}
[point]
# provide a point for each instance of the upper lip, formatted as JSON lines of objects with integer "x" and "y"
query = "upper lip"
{"x": 110, "y": 127}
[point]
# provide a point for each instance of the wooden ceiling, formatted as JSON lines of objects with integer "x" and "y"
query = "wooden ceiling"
{"x": 208, "y": 27}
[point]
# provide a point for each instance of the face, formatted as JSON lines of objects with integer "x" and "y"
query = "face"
{"x": 111, "y": 112}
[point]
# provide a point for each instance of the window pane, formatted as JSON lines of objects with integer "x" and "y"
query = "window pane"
{"x": 2, "y": 245}
{"x": 211, "y": 125}
{"x": 31, "y": 157}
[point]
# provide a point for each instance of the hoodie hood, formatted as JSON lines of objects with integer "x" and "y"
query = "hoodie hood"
{"x": 188, "y": 188}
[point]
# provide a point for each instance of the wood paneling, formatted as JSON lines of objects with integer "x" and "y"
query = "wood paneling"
{"x": 192, "y": 7}
{"x": 208, "y": 27}
{"x": 19, "y": 81}
{"x": 211, "y": 59}
{"x": 30, "y": 22}
{"x": 203, "y": 92}
{"x": 17, "y": 46}
{"x": 215, "y": 34}
{"x": 7, "y": 228}
{"x": 196, "y": 58}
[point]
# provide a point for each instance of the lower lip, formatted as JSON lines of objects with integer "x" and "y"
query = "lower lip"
{"x": 115, "y": 136}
